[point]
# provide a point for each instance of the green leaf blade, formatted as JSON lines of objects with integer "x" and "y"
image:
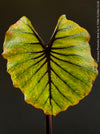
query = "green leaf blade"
{"x": 54, "y": 76}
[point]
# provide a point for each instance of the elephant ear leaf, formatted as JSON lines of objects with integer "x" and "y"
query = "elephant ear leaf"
{"x": 54, "y": 76}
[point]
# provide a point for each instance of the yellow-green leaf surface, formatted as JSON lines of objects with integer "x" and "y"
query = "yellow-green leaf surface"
{"x": 54, "y": 76}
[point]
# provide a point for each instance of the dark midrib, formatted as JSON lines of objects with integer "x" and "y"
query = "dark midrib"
{"x": 47, "y": 51}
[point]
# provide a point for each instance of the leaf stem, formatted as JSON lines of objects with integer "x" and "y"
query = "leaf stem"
{"x": 48, "y": 124}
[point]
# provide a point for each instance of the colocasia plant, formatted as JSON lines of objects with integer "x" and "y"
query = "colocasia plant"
{"x": 55, "y": 76}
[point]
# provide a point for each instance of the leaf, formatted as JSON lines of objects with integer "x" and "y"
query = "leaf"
{"x": 54, "y": 76}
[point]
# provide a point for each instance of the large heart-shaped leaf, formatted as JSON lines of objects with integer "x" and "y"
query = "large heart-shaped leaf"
{"x": 54, "y": 76}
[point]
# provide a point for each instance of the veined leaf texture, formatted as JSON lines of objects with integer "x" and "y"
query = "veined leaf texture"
{"x": 55, "y": 76}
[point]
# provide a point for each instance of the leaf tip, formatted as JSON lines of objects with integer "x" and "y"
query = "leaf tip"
{"x": 23, "y": 18}
{"x": 63, "y": 16}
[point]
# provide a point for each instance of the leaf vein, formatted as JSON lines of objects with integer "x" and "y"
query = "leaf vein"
{"x": 71, "y": 63}
{"x": 66, "y": 83}
{"x": 61, "y": 93}
{"x": 67, "y": 71}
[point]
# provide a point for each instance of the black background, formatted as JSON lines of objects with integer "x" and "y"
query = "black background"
{"x": 17, "y": 117}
